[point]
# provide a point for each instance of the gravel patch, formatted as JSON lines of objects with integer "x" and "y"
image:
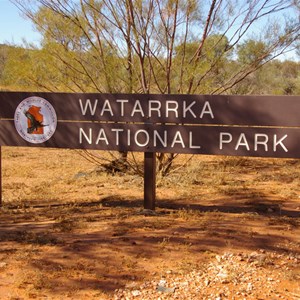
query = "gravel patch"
{"x": 227, "y": 276}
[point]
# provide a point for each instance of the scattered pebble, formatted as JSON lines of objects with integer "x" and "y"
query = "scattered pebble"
{"x": 136, "y": 293}
{"x": 229, "y": 276}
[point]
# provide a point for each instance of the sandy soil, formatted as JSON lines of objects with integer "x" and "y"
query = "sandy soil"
{"x": 224, "y": 228}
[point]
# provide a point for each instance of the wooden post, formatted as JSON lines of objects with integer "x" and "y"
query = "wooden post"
{"x": 149, "y": 180}
{"x": 0, "y": 176}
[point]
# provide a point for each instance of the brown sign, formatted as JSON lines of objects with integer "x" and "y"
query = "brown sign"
{"x": 224, "y": 125}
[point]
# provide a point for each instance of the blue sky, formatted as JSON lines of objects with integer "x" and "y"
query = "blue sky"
{"x": 14, "y": 27}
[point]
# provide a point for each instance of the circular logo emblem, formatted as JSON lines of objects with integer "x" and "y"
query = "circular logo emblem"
{"x": 35, "y": 120}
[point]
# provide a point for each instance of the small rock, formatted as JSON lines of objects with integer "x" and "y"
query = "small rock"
{"x": 136, "y": 293}
{"x": 147, "y": 212}
{"x": 165, "y": 289}
{"x": 240, "y": 258}
{"x": 162, "y": 282}
{"x": 261, "y": 258}
{"x": 80, "y": 175}
{"x": 131, "y": 285}
{"x": 223, "y": 274}
{"x": 3, "y": 264}
{"x": 218, "y": 258}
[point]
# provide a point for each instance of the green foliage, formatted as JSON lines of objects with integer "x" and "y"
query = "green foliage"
{"x": 275, "y": 78}
{"x": 211, "y": 68}
{"x": 12, "y": 73}
{"x": 252, "y": 52}
{"x": 3, "y": 58}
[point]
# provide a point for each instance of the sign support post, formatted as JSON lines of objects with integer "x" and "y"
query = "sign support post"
{"x": 0, "y": 176}
{"x": 149, "y": 180}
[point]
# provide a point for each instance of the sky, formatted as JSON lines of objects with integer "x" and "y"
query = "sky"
{"x": 14, "y": 27}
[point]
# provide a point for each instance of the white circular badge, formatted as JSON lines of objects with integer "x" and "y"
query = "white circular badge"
{"x": 35, "y": 120}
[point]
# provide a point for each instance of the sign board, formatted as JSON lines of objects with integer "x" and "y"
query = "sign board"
{"x": 264, "y": 126}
